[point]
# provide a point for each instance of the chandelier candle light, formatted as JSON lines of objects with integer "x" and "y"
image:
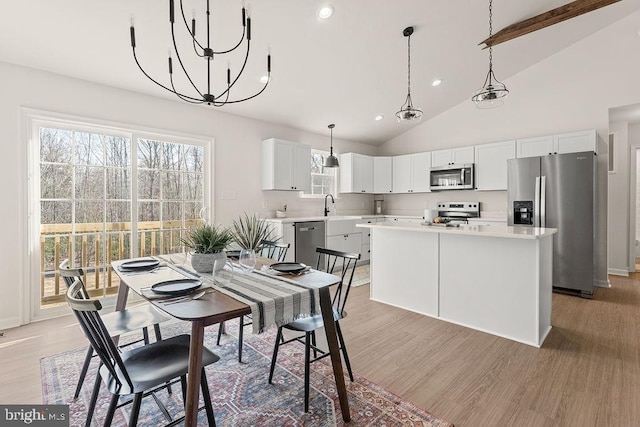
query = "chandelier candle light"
{"x": 407, "y": 112}
{"x": 207, "y": 53}
{"x": 493, "y": 92}
{"x": 331, "y": 161}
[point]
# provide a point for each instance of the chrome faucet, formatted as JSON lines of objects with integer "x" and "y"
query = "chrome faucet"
{"x": 326, "y": 209}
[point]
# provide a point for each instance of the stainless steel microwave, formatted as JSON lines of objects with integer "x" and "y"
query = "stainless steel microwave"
{"x": 452, "y": 177}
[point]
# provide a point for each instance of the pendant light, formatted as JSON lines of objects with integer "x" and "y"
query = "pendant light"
{"x": 407, "y": 112}
{"x": 493, "y": 92}
{"x": 331, "y": 161}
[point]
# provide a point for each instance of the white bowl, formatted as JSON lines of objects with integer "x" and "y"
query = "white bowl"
{"x": 281, "y": 214}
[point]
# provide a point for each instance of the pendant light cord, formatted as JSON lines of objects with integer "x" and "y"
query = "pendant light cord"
{"x": 409, "y": 65}
{"x": 490, "y": 34}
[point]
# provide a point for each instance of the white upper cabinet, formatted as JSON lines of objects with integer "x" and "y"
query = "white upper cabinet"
{"x": 411, "y": 173}
{"x": 382, "y": 175}
{"x": 573, "y": 142}
{"x": 491, "y": 164}
{"x": 453, "y": 156}
{"x": 286, "y": 165}
{"x": 356, "y": 173}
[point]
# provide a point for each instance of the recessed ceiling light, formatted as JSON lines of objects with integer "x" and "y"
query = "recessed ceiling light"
{"x": 264, "y": 79}
{"x": 379, "y": 117}
{"x": 436, "y": 82}
{"x": 325, "y": 12}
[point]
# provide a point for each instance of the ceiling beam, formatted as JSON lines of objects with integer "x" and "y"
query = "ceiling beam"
{"x": 554, "y": 16}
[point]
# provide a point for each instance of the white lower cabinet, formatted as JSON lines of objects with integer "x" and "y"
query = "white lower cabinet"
{"x": 351, "y": 243}
{"x": 285, "y": 233}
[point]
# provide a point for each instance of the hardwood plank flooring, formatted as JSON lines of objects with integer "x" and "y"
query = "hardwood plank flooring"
{"x": 586, "y": 374}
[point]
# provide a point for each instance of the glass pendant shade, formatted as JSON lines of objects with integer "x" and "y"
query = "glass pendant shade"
{"x": 491, "y": 95}
{"x": 331, "y": 161}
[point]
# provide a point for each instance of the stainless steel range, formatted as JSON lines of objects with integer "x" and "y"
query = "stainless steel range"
{"x": 459, "y": 212}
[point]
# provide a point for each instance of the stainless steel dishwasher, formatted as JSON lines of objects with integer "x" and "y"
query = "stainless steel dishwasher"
{"x": 309, "y": 236}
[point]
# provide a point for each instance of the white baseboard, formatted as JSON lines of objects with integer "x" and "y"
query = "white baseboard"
{"x": 618, "y": 272}
{"x": 10, "y": 322}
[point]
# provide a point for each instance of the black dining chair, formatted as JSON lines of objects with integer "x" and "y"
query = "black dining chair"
{"x": 346, "y": 262}
{"x": 274, "y": 250}
{"x": 138, "y": 372}
{"x": 268, "y": 249}
{"x": 117, "y": 323}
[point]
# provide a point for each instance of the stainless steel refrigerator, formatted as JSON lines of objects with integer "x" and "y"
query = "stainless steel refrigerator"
{"x": 558, "y": 191}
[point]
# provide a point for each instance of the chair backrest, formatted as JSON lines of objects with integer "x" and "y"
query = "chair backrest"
{"x": 87, "y": 313}
{"x": 274, "y": 250}
{"x": 347, "y": 263}
{"x": 69, "y": 274}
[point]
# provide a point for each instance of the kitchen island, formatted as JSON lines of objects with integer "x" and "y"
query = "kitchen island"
{"x": 495, "y": 279}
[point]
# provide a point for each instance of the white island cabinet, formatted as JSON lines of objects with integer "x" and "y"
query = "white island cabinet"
{"x": 494, "y": 279}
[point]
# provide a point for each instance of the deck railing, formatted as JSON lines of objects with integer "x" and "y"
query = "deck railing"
{"x": 93, "y": 246}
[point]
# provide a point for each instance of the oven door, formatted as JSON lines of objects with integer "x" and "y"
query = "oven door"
{"x": 456, "y": 177}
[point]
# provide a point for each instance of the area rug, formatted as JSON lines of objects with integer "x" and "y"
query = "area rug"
{"x": 360, "y": 276}
{"x": 240, "y": 392}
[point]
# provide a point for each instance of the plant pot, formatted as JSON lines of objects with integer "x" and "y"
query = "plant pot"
{"x": 204, "y": 263}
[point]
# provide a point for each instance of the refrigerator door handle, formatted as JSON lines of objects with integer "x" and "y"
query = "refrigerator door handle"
{"x": 536, "y": 204}
{"x": 543, "y": 204}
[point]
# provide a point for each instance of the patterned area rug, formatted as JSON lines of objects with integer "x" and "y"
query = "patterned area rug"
{"x": 240, "y": 393}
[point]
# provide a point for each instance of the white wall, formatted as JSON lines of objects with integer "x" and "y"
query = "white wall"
{"x": 571, "y": 90}
{"x": 237, "y": 156}
{"x": 618, "y": 236}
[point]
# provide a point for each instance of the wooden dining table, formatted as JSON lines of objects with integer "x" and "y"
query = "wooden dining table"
{"x": 219, "y": 308}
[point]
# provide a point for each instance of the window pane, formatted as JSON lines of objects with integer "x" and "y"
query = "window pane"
{"x": 148, "y": 184}
{"x": 55, "y": 145}
{"x": 172, "y": 155}
{"x": 171, "y": 187}
{"x": 55, "y": 212}
{"x": 149, "y": 211}
{"x": 118, "y": 211}
{"x": 89, "y": 182}
{"x": 193, "y": 186}
{"x": 55, "y": 181}
{"x": 192, "y": 210}
{"x": 118, "y": 151}
{"x": 171, "y": 211}
{"x": 194, "y": 158}
{"x": 118, "y": 184}
{"x": 89, "y": 149}
{"x": 148, "y": 154}
{"x": 89, "y": 211}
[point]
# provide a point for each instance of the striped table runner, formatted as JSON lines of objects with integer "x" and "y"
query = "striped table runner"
{"x": 273, "y": 300}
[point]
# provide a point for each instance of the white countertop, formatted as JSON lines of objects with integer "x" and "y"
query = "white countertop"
{"x": 474, "y": 230}
{"x": 333, "y": 217}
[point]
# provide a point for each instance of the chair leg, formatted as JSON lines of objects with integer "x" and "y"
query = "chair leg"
{"x": 94, "y": 397}
{"x": 183, "y": 384}
{"x": 83, "y": 372}
{"x": 207, "y": 399}
{"x": 145, "y": 335}
{"x": 275, "y": 354}
{"x": 307, "y": 351}
{"x": 344, "y": 351}
{"x": 240, "y": 337}
{"x": 135, "y": 409}
{"x": 112, "y": 410}
{"x": 158, "y": 334}
{"x": 313, "y": 341}
{"x": 221, "y": 330}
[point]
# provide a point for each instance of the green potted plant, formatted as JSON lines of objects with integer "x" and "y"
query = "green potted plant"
{"x": 250, "y": 231}
{"x": 208, "y": 243}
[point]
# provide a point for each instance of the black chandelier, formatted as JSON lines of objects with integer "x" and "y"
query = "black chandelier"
{"x": 207, "y": 53}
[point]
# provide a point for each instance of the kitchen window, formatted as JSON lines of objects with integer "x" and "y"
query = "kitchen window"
{"x": 323, "y": 180}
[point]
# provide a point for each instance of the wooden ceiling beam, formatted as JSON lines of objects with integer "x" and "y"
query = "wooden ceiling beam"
{"x": 554, "y": 16}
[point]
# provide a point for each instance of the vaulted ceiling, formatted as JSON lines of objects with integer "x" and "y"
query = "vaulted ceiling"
{"x": 345, "y": 70}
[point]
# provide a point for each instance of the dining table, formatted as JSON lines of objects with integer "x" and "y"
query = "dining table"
{"x": 215, "y": 307}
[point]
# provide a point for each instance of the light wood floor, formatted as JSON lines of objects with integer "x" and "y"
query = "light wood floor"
{"x": 586, "y": 374}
